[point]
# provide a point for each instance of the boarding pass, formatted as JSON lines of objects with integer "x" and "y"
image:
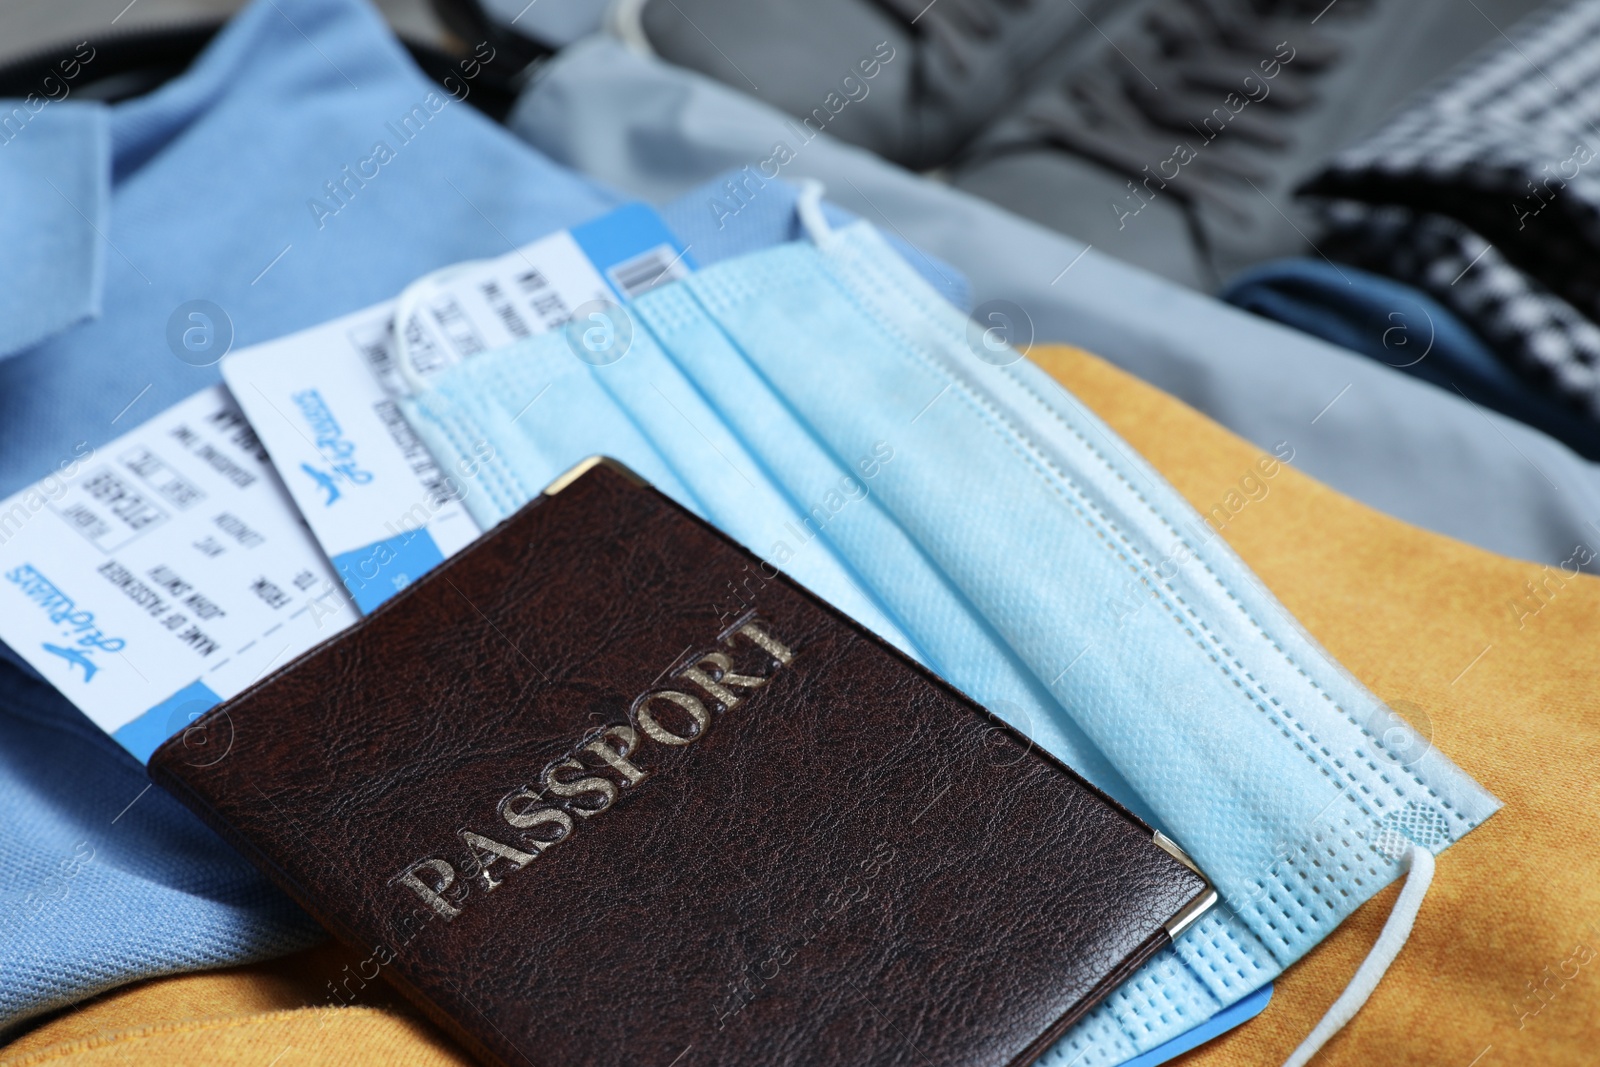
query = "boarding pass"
{"x": 154, "y": 576}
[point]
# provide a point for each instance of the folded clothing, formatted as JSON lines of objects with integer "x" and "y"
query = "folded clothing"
{"x": 1178, "y": 144}
{"x": 1409, "y": 330}
{"x": 1543, "y": 339}
{"x": 1484, "y": 192}
{"x": 910, "y": 80}
{"x": 1197, "y": 116}
{"x": 302, "y": 168}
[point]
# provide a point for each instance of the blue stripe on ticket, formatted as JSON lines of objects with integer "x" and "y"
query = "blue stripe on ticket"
{"x": 144, "y": 735}
{"x": 380, "y": 570}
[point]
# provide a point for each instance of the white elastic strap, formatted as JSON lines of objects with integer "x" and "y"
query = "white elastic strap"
{"x": 405, "y": 306}
{"x": 1420, "y": 862}
{"x": 809, "y": 207}
{"x": 624, "y": 20}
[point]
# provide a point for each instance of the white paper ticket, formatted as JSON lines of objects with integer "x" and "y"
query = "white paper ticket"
{"x": 173, "y": 567}
{"x": 325, "y": 400}
{"x": 162, "y": 573}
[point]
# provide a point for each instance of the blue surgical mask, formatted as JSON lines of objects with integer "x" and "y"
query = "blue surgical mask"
{"x": 824, "y": 406}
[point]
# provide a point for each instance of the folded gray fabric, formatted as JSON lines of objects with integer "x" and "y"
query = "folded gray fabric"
{"x": 1177, "y": 145}
{"x": 1399, "y": 445}
{"x": 1169, "y": 133}
{"x": 909, "y": 79}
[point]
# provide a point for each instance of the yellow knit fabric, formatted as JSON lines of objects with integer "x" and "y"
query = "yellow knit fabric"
{"x": 1495, "y": 660}
{"x": 277, "y": 1013}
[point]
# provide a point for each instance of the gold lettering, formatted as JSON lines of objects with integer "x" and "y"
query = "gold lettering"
{"x": 536, "y": 814}
{"x": 716, "y": 686}
{"x": 768, "y": 644}
{"x": 433, "y": 897}
{"x": 617, "y": 758}
{"x": 520, "y": 817}
{"x": 515, "y": 856}
{"x": 659, "y": 734}
{"x": 563, "y": 823}
{"x": 568, "y": 787}
{"x": 574, "y": 788}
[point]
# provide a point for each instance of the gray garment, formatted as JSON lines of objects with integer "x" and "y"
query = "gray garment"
{"x": 1082, "y": 198}
{"x": 911, "y": 80}
{"x": 1198, "y": 120}
{"x": 1169, "y": 133}
{"x": 1399, "y": 445}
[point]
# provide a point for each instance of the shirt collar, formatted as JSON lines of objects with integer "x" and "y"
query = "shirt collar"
{"x": 55, "y": 190}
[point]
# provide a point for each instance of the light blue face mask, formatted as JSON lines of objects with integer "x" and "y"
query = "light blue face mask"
{"x": 823, "y": 405}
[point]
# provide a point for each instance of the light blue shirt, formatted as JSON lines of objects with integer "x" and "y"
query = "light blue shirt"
{"x": 215, "y": 187}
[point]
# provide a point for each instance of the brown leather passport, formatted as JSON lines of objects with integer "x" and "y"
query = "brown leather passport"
{"x": 607, "y": 789}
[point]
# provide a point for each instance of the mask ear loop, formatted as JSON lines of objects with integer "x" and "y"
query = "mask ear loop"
{"x": 1417, "y": 860}
{"x": 624, "y": 20}
{"x": 1393, "y": 938}
{"x": 408, "y": 305}
{"x": 808, "y": 206}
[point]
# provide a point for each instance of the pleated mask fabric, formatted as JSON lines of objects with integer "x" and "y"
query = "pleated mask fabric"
{"x": 823, "y": 405}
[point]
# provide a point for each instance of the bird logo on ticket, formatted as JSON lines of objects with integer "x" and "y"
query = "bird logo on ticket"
{"x": 63, "y": 611}
{"x": 335, "y": 447}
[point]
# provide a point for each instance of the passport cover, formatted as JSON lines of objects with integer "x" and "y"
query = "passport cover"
{"x": 605, "y": 788}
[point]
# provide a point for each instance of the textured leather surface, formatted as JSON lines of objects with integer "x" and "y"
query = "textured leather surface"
{"x": 853, "y": 863}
